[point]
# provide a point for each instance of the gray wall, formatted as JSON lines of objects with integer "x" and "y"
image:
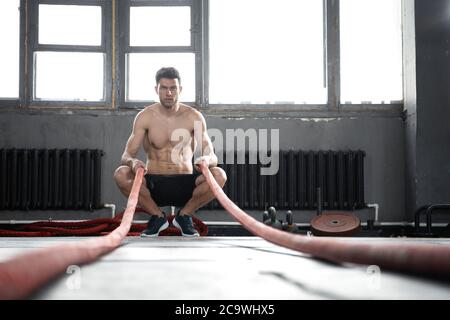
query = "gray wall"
{"x": 382, "y": 138}
{"x": 428, "y": 105}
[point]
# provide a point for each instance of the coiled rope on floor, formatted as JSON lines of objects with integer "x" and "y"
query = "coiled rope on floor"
{"x": 94, "y": 227}
{"x": 429, "y": 259}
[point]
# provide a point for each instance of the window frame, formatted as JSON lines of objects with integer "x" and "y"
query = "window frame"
{"x": 281, "y": 106}
{"x": 34, "y": 46}
{"x": 125, "y": 48}
{"x": 334, "y": 106}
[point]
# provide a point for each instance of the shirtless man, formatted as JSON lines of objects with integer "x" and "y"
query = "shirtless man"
{"x": 170, "y": 179}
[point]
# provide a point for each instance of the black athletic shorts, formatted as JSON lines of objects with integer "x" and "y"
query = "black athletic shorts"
{"x": 171, "y": 190}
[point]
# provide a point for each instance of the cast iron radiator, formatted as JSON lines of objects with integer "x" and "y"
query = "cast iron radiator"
{"x": 338, "y": 174}
{"x": 41, "y": 179}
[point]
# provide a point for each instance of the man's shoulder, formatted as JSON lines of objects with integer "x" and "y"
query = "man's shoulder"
{"x": 149, "y": 110}
{"x": 144, "y": 116}
{"x": 192, "y": 112}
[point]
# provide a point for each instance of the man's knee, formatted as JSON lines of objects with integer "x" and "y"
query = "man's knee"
{"x": 220, "y": 175}
{"x": 122, "y": 175}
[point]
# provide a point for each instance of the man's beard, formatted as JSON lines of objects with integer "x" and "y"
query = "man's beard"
{"x": 168, "y": 104}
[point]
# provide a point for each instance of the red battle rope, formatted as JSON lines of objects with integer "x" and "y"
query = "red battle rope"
{"x": 429, "y": 259}
{"x": 22, "y": 275}
{"x": 94, "y": 227}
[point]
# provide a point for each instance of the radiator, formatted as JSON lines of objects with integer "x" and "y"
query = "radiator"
{"x": 338, "y": 174}
{"x": 40, "y": 179}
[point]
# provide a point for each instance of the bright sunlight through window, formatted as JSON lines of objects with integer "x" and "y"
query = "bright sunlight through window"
{"x": 265, "y": 52}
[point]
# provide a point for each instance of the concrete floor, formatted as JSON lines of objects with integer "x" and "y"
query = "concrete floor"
{"x": 222, "y": 268}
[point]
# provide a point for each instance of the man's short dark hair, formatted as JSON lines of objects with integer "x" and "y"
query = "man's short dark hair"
{"x": 169, "y": 73}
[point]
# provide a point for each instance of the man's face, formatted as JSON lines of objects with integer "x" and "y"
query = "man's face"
{"x": 168, "y": 91}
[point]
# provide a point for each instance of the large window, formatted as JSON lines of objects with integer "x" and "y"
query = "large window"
{"x": 371, "y": 51}
{"x": 157, "y": 34}
{"x": 9, "y": 35}
{"x": 266, "y": 52}
{"x": 69, "y": 53}
{"x": 232, "y": 54}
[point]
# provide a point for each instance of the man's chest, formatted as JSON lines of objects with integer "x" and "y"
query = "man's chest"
{"x": 170, "y": 133}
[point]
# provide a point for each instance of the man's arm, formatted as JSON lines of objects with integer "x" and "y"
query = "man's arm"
{"x": 208, "y": 154}
{"x": 134, "y": 143}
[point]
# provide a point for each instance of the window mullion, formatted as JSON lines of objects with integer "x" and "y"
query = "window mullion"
{"x": 204, "y": 49}
{"x": 333, "y": 54}
{"x": 108, "y": 50}
{"x": 197, "y": 43}
{"x": 115, "y": 54}
{"x": 23, "y": 80}
{"x": 123, "y": 38}
{"x": 31, "y": 44}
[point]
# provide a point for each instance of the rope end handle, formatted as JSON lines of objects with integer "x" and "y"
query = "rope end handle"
{"x": 203, "y": 167}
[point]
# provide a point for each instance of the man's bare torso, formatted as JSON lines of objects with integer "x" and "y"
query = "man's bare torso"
{"x": 158, "y": 145}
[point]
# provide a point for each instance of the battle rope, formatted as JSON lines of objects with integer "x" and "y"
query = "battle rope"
{"x": 22, "y": 275}
{"x": 429, "y": 259}
{"x": 94, "y": 227}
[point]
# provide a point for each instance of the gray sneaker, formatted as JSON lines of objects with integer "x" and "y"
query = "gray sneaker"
{"x": 155, "y": 225}
{"x": 186, "y": 226}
